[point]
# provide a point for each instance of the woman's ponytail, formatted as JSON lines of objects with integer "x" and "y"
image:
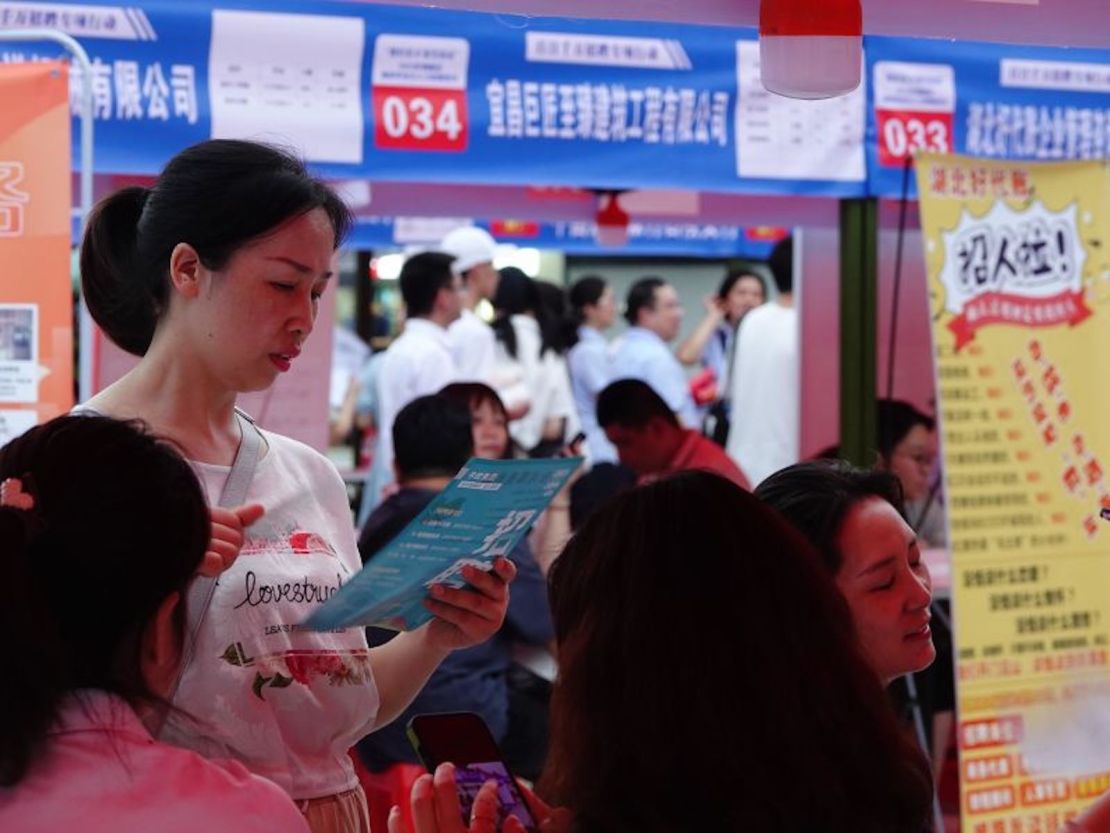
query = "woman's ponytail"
{"x": 586, "y": 291}
{"x": 82, "y": 498}
{"x": 118, "y": 297}
{"x": 216, "y": 196}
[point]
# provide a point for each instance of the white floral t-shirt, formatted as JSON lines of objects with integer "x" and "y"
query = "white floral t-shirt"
{"x": 286, "y": 701}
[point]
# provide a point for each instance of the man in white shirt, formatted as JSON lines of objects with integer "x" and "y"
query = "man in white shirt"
{"x": 654, "y": 316}
{"x": 472, "y": 339}
{"x": 419, "y": 362}
{"x": 766, "y": 388}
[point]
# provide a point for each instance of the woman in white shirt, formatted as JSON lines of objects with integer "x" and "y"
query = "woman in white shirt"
{"x": 98, "y": 627}
{"x": 213, "y": 276}
{"x": 526, "y": 339}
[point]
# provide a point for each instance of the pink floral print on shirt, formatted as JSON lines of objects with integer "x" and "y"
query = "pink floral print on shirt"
{"x": 303, "y": 667}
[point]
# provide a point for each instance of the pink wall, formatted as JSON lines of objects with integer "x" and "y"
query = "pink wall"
{"x": 820, "y": 311}
{"x": 819, "y": 307}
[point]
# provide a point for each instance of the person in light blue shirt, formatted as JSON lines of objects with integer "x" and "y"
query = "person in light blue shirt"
{"x": 594, "y": 308}
{"x": 654, "y": 315}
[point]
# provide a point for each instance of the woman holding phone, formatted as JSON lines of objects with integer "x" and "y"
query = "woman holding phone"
{"x": 709, "y": 679}
{"x": 212, "y": 277}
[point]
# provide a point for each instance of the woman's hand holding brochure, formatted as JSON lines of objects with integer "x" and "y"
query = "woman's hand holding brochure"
{"x": 471, "y": 615}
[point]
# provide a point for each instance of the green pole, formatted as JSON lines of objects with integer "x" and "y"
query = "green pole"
{"x": 859, "y": 290}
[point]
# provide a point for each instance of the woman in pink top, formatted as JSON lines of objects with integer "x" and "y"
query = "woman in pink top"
{"x": 96, "y": 627}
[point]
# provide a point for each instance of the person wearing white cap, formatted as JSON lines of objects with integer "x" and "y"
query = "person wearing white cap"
{"x": 472, "y": 339}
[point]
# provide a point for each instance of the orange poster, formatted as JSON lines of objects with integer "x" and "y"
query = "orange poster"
{"x": 36, "y": 297}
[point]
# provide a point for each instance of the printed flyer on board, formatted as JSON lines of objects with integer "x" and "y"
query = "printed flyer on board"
{"x": 481, "y": 515}
{"x": 1019, "y": 277}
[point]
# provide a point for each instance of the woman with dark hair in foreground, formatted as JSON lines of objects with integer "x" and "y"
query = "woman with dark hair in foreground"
{"x": 97, "y": 629}
{"x": 710, "y": 680}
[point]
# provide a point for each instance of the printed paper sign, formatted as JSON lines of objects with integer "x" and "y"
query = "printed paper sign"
{"x": 1020, "y": 278}
{"x": 290, "y": 79}
{"x": 915, "y": 105}
{"x": 113, "y": 22}
{"x": 786, "y": 138}
{"x": 605, "y": 50}
{"x": 19, "y": 338}
{"x": 1071, "y": 76}
{"x": 481, "y": 515}
{"x": 420, "y": 93}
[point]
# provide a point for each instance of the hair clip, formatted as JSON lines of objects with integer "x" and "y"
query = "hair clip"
{"x": 12, "y": 495}
{"x": 1105, "y": 513}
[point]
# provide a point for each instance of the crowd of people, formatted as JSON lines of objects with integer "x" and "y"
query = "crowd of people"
{"x": 545, "y": 352}
{"x": 723, "y": 655}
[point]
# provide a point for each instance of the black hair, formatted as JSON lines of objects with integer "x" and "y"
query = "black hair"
{"x": 733, "y": 277}
{"x": 118, "y": 524}
{"x": 216, "y": 196}
{"x": 896, "y": 419}
{"x": 781, "y": 263}
{"x": 641, "y": 295}
{"x": 794, "y": 733}
{"x": 595, "y": 488}
{"x": 561, "y": 329}
{"x": 422, "y": 277}
{"x": 632, "y": 403}
{"x": 518, "y": 294}
{"x": 475, "y": 394}
{"x": 816, "y": 497}
{"x": 586, "y": 291}
{"x": 432, "y": 437}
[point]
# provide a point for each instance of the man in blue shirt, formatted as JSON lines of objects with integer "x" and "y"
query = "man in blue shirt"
{"x": 654, "y": 316}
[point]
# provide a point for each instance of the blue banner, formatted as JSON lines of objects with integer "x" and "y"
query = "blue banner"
{"x": 382, "y": 92}
{"x": 994, "y": 101}
{"x": 705, "y": 240}
{"x": 427, "y": 95}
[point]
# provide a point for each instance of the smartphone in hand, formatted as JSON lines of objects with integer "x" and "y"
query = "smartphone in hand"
{"x": 574, "y": 447}
{"x": 463, "y": 739}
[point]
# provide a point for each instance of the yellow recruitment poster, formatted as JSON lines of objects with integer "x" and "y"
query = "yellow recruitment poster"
{"x": 1018, "y": 259}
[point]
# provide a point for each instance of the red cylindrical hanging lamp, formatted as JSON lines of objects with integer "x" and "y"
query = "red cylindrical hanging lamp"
{"x": 612, "y": 221}
{"x": 810, "y": 48}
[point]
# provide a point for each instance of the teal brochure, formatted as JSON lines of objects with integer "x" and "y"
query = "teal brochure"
{"x": 481, "y": 514}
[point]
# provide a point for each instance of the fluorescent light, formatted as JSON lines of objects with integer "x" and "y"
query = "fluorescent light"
{"x": 388, "y": 267}
{"x": 525, "y": 259}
